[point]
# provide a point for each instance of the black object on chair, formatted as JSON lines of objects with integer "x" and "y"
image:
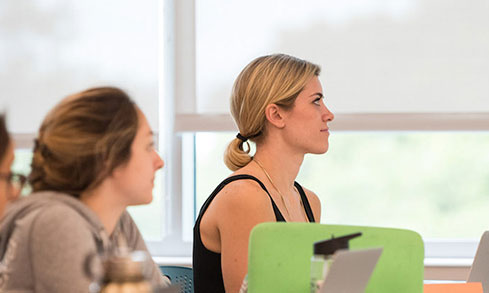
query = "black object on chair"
{"x": 182, "y": 276}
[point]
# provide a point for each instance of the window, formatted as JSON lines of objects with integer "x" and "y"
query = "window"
{"x": 426, "y": 181}
{"x": 395, "y": 74}
{"x": 51, "y": 49}
{"x": 406, "y": 83}
{"x": 433, "y": 182}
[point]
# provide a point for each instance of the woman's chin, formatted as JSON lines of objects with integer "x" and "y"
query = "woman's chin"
{"x": 143, "y": 200}
{"x": 321, "y": 150}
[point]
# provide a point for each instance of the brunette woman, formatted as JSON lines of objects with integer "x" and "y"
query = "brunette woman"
{"x": 93, "y": 157}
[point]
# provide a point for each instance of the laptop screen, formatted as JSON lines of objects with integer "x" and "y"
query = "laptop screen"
{"x": 479, "y": 272}
{"x": 351, "y": 270}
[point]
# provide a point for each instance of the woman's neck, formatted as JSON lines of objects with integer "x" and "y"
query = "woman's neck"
{"x": 280, "y": 164}
{"x": 103, "y": 201}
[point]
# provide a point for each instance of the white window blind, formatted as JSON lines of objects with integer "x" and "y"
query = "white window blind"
{"x": 377, "y": 56}
{"x": 50, "y": 49}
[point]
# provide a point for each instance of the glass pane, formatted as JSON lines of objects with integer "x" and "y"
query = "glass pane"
{"x": 51, "y": 49}
{"x": 436, "y": 183}
{"x": 376, "y": 55}
{"x": 22, "y": 165}
{"x": 149, "y": 218}
{"x": 210, "y": 169}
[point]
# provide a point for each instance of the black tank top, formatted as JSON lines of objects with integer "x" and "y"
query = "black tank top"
{"x": 207, "y": 264}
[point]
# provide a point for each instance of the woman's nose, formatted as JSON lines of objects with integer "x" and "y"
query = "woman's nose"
{"x": 159, "y": 163}
{"x": 327, "y": 115}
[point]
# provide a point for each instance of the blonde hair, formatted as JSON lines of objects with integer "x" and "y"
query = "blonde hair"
{"x": 82, "y": 140}
{"x": 273, "y": 79}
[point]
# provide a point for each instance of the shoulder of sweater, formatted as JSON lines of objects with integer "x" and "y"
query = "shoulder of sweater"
{"x": 59, "y": 216}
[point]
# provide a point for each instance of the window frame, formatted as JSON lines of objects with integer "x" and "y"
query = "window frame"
{"x": 438, "y": 252}
{"x": 188, "y": 121}
{"x": 178, "y": 120}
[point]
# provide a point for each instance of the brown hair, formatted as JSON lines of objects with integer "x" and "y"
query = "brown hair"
{"x": 82, "y": 140}
{"x": 4, "y": 138}
{"x": 273, "y": 79}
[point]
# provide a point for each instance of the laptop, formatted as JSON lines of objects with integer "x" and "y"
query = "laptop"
{"x": 479, "y": 272}
{"x": 351, "y": 270}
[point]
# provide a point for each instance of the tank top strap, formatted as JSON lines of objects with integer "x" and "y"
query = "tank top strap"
{"x": 278, "y": 215}
{"x": 307, "y": 206}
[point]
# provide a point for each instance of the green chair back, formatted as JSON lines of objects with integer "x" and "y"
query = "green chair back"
{"x": 280, "y": 253}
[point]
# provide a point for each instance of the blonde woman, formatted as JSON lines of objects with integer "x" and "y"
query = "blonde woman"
{"x": 94, "y": 156}
{"x": 277, "y": 103}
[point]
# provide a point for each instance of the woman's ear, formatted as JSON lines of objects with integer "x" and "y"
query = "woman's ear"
{"x": 275, "y": 115}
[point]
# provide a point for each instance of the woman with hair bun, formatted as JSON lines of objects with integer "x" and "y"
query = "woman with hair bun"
{"x": 277, "y": 103}
{"x": 93, "y": 157}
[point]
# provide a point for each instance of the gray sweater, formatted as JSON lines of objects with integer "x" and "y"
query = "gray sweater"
{"x": 46, "y": 237}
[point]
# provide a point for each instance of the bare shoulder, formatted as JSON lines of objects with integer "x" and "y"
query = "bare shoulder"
{"x": 242, "y": 195}
{"x": 241, "y": 202}
{"x": 311, "y": 196}
{"x": 315, "y": 203}
{"x": 239, "y": 206}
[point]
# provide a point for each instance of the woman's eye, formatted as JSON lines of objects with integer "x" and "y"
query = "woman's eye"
{"x": 317, "y": 101}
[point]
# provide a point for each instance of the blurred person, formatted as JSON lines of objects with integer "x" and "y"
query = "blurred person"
{"x": 277, "y": 103}
{"x": 10, "y": 183}
{"x": 93, "y": 157}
